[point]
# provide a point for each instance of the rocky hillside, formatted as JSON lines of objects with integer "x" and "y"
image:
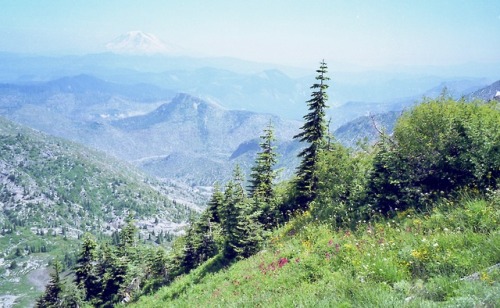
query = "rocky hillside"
{"x": 49, "y": 182}
{"x": 487, "y": 93}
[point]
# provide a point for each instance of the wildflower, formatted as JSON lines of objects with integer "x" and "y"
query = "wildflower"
{"x": 282, "y": 262}
{"x": 330, "y": 242}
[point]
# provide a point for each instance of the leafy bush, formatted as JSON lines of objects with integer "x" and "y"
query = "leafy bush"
{"x": 439, "y": 148}
{"x": 342, "y": 186}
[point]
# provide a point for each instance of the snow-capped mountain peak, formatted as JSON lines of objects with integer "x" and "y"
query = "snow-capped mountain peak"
{"x": 138, "y": 42}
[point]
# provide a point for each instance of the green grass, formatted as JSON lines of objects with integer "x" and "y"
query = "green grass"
{"x": 413, "y": 260}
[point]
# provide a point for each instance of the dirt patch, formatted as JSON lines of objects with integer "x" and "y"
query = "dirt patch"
{"x": 7, "y": 301}
{"x": 39, "y": 278}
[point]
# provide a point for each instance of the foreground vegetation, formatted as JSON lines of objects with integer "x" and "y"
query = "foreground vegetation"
{"x": 413, "y": 260}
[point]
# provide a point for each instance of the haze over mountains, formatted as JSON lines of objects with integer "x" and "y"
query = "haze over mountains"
{"x": 191, "y": 118}
{"x": 180, "y": 136}
{"x": 237, "y": 84}
{"x": 142, "y": 126}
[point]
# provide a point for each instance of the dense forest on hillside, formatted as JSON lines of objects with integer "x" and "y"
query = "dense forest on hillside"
{"x": 412, "y": 220}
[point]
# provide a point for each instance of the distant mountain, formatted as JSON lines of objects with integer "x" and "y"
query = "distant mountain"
{"x": 487, "y": 93}
{"x": 233, "y": 83}
{"x": 143, "y": 127}
{"x": 351, "y": 110}
{"x": 363, "y": 128}
{"x": 139, "y": 43}
{"x": 80, "y": 98}
{"x": 199, "y": 141}
{"x": 457, "y": 88}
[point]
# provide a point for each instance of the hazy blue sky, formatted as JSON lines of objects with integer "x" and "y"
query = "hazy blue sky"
{"x": 282, "y": 31}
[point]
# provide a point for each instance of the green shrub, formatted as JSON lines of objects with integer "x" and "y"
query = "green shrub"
{"x": 343, "y": 179}
{"x": 439, "y": 148}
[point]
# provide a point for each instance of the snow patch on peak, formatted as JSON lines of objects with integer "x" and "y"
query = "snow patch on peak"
{"x": 140, "y": 43}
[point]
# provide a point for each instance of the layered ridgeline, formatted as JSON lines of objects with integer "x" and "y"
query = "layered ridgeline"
{"x": 171, "y": 136}
{"x": 52, "y": 191}
{"x": 377, "y": 118}
{"x": 200, "y": 142}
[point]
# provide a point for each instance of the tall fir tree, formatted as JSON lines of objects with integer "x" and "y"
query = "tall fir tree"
{"x": 313, "y": 133}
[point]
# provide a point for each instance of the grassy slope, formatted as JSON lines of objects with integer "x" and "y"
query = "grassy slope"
{"x": 413, "y": 260}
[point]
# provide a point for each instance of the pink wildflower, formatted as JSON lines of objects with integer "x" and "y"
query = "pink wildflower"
{"x": 282, "y": 262}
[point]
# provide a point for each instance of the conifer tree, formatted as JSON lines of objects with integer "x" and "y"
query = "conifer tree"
{"x": 112, "y": 270}
{"x": 187, "y": 256}
{"x": 240, "y": 224}
{"x": 234, "y": 194}
{"x": 127, "y": 235}
{"x": 263, "y": 174}
{"x": 85, "y": 276}
{"x": 203, "y": 240}
{"x": 313, "y": 133}
{"x": 247, "y": 235}
{"x": 262, "y": 178}
{"x": 53, "y": 291}
{"x": 216, "y": 204}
